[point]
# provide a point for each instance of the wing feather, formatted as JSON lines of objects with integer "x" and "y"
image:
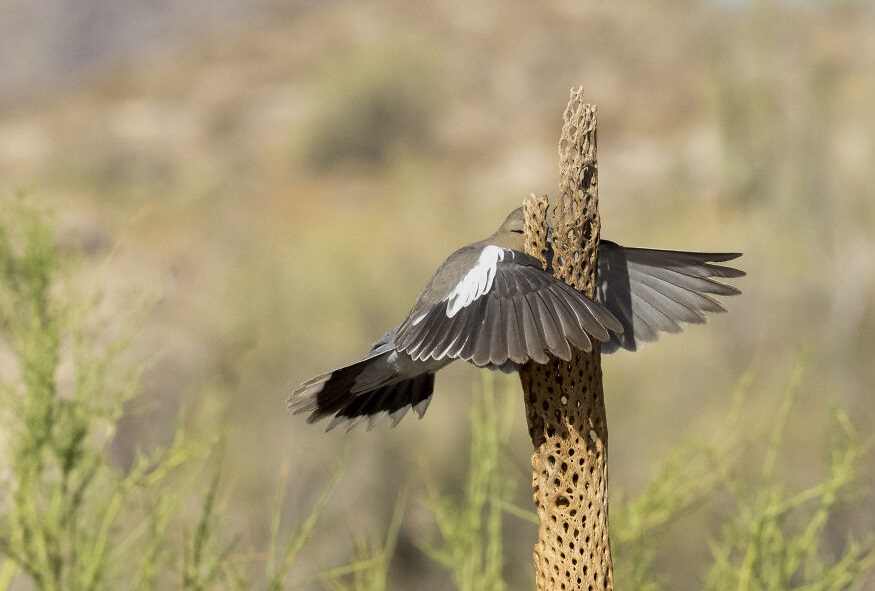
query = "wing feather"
{"x": 524, "y": 314}
{"x": 654, "y": 291}
{"x": 571, "y": 326}
{"x": 556, "y": 342}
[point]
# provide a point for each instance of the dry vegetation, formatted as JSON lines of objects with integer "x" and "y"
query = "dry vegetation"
{"x": 283, "y": 187}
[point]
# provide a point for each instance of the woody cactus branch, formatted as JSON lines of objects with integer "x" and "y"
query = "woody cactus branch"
{"x": 564, "y": 399}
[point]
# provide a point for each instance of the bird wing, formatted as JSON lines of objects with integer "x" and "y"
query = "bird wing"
{"x": 505, "y": 308}
{"x": 653, "y": 291}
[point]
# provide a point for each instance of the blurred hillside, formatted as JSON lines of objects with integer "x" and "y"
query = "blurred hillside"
{"x": 284, "y": 178}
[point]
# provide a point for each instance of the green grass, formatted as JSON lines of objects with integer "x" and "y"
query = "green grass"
{"x": 774, "y": 538}
{"x": 73, "y": 520}
{"x": 470, "y": 543}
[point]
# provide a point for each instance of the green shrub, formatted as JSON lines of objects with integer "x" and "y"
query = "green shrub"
{"x": 71, "y": 519}
{"x": 74, "y": 521}
{"x": 470, "y": 544}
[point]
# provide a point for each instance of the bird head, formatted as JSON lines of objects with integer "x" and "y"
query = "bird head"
{"x": 511, "y": 233}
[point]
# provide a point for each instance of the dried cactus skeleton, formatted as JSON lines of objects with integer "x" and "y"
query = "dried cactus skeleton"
{"x": 564, "y": 399}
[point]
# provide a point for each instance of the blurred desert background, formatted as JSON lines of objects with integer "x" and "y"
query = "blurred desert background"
{"x": 279, "y": 179}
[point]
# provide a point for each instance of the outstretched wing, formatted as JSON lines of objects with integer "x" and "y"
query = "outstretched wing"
{"x": 504, "y": 309}
{"x": 653, "y": 291}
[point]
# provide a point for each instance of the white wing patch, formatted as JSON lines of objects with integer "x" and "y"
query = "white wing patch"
{"x": 477, "y": 282}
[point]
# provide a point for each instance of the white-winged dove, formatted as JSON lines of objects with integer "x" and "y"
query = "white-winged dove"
{"x": 494, "y": 306}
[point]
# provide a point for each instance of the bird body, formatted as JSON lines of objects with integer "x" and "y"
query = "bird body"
{"x": 493, "y": 305}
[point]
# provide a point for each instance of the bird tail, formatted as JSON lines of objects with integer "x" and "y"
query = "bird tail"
{"x": 338, "y": 394}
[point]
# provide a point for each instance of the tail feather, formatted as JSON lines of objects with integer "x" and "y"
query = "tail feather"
{"x": 337, "y": 394}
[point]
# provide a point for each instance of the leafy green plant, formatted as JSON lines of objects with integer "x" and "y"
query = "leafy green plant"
{"x": 470, "y": 544}
{"x": 775, "y": 538}
{"x": 775, "y": 541}
{"x": 277, "y": 570}
{"x": 62, "y": 396}
{"x": 74, "y": 520}
{"x": 371, "y": 571}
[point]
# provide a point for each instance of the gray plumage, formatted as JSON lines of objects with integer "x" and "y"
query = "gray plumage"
{"x": 526, "y": 313}
{"x": 651, "y": 291}
{"x": 492, "y": 305}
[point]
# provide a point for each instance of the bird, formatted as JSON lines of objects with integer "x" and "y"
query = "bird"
{"x": 496, "y": 307}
